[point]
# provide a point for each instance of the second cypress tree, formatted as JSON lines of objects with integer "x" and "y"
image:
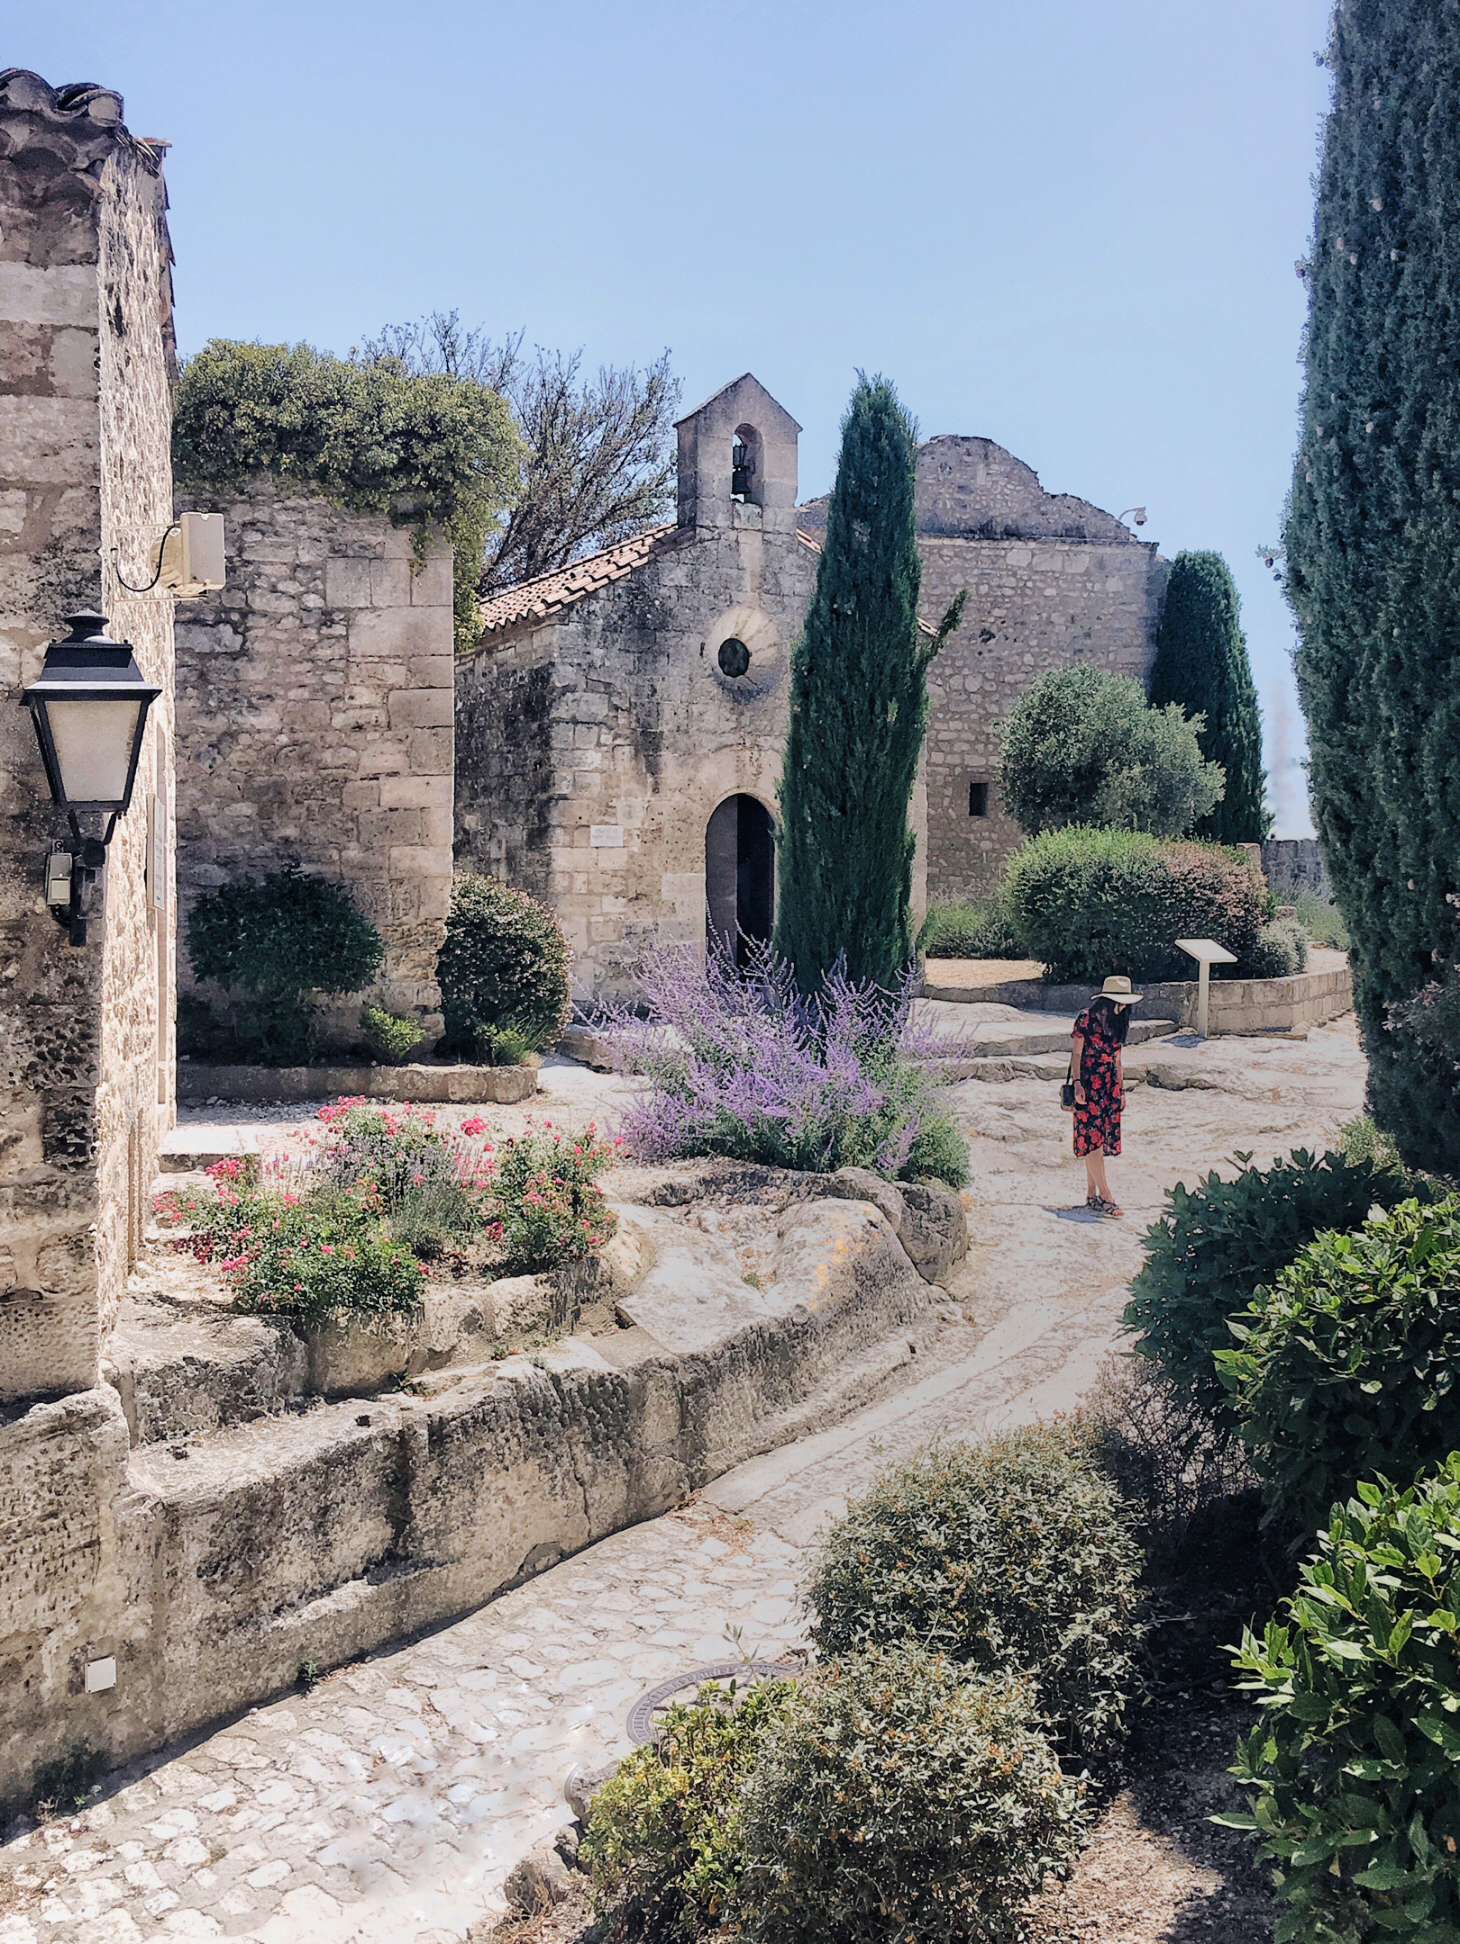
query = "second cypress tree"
{"x": 858, "y": 713}
{"x": 1201, "y": 662}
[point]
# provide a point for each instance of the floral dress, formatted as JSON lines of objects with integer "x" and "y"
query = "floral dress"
{"x": 1097, "y": 1122}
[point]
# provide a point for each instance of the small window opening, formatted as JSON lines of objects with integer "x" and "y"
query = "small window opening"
{"x": 745, "y": 466}
{"x": 978, "y": 799}
{"x": 734, "y": 657}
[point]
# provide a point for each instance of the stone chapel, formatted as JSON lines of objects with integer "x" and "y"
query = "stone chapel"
{"x": 619, "y": 727}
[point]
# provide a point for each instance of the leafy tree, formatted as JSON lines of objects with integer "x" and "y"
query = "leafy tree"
{"x": 1201, "y": 663}
{"x": 859, "y": 706}
{"x": 1082, "y": 747}
{"x": 427, "y": 449}
{"x": 1373, "y": 548}
{"x": 598, "y": 454}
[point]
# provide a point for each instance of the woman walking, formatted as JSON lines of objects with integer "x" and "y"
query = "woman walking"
{"x": 1095, "y": 1068}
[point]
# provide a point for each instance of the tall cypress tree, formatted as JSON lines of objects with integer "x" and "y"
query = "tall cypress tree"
{"x": 1373, "y": 545}
{"x": 858, "y": 712}
{"x": 1201, "y": 662}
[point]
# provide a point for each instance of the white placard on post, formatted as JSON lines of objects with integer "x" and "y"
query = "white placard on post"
{"x": 1207, "y": 953}
{"x": 606, "y": 836}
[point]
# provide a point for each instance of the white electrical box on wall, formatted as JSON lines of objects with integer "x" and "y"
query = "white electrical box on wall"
{"x": 188, "y": 561}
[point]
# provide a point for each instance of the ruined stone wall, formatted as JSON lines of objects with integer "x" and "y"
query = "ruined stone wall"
{"x": 1052, "y": 581}
{"x": 1032, "y": 606}
{"x": 85, "y": 347}
{"x": 315, "y": 726}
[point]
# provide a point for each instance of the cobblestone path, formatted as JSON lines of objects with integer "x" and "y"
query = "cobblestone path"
{"x": 386, "y": 1805}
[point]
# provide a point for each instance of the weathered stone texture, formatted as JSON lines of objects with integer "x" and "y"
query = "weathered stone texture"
{"x": 315, "y": 720}
{"x": 85, "y": 412}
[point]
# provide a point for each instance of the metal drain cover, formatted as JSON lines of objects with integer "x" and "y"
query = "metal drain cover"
{"x": 640, "y": 1724}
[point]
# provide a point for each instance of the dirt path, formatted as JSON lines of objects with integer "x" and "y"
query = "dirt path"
{"x": 387, "y": 1805}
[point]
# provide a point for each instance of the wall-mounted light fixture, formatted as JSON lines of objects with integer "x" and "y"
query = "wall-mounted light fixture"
{"x": 89, "y": 706}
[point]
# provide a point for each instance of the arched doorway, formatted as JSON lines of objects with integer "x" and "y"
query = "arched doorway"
{"x": 740, "y": 875}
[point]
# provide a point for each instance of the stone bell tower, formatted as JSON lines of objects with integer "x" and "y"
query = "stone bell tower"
{"x": 737, "y": 461}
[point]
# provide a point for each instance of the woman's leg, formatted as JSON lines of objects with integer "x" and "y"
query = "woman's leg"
{"x": 1095, "y": 1174}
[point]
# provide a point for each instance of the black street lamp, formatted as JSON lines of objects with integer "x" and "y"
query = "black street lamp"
{"x": 89, "y": 706}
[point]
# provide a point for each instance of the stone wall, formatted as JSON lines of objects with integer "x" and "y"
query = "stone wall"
{"x": 1293, "y": 865}
{"x": 1052, "y": 582}
{"x": 315, "y": 726}
{"x": 85, "y": 357}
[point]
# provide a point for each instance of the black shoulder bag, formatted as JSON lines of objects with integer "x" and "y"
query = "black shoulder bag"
{"x": 1067, "y": 1090}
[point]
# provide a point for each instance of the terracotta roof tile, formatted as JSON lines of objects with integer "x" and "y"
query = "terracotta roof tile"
{"x": 549, "y": 594}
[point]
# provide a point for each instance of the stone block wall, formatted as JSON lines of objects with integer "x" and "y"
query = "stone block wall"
{"x": 315, "y": 726}
{"x": 1293, "y": 865}
{"x": 85, "y": 482}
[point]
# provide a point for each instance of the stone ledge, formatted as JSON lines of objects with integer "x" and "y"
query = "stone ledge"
{"x": 460, "y": 1085}
{"x": 1237, "y": 1006}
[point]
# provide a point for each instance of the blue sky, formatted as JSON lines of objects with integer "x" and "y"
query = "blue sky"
{"x": 1069, "y": 228}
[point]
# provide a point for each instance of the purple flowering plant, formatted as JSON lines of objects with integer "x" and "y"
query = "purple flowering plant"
{"x": 739, "y": 1062}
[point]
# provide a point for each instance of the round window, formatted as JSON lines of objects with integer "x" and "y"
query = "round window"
{"x": 734, "y": 657}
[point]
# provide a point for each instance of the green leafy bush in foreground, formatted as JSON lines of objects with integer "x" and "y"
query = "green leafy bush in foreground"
{"x": 389, "y": 1036}
{"x": 1218, "y": 1241}
{"x": 664, "y": 1840}
{"x": 1013, "y": 1556}
{"x": 503, "y": 972}
{"x": 899, "y": 1800}
{"x": 1355, "y": 1765}
{"x": 1088, "y": 902}
{"x": 1347, "y": 1366}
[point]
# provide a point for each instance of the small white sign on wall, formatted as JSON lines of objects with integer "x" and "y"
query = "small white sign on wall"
{"x": 606, "y": 836}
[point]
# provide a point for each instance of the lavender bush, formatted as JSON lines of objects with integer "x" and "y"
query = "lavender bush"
{"x": 737, "y": 1062}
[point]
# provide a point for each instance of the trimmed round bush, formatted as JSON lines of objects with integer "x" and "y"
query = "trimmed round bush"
{"x": 896, "y": 1799}
{"x": 503, "y": 970}
{"x": 1089, "y": 902}
{"x": 1014, "y": 1555}
{"x": 1218, "y": 1241}
{"x": 1347, "y": 1366}
{"x": 664, "y": 1832}
{"x": 280, "y": 938}
{"x": 1355, "y": 1765}
{"x": 969, "y": 931}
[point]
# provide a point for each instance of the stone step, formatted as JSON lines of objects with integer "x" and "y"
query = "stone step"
{"x": 190, "y": 1149}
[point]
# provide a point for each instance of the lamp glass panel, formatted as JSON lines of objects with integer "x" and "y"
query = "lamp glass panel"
{"x": 93, "y": 747}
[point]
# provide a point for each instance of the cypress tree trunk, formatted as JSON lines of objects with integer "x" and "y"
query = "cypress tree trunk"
{"x": 1201, "y": 662}
{"x": 1373, "y": 544}
{"x": 858, "y": 713}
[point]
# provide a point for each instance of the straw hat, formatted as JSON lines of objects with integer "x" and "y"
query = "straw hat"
{"x": 1117, "y": 990}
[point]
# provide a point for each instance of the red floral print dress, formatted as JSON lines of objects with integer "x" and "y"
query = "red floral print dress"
{"x": 1097, "y": 1123}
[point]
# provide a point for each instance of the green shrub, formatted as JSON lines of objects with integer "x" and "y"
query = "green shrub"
{"x": 957, "y": 930}
{"x": 898, "y": 1801}
{"x": 663, "y": 1841}
{"x": 550, "y": 1209}
{"x": 1361, "y": 1140}
{"x": 424, "y": 448}
{"x": 1084, "y": 747}
{"x": 1347, "y": 1365}
{"x": 430, "y": 1186}
{"x": 389, "y": 1036}
{"x": 1355, "y": 1765}
{"x": 1322, "y": 920}
{"x": 1280, "y": 951}
{"x": 504, "y": 965}
{"x": 1090, "y": 902}
{"x": 279, "y": 939}
{"x": 1011, "y": 1556}
{"x": 1218, "y": 1241}
{"x": 503, "y": 1046}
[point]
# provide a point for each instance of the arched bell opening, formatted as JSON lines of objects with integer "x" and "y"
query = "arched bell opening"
{"x": 740, "y": 876}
